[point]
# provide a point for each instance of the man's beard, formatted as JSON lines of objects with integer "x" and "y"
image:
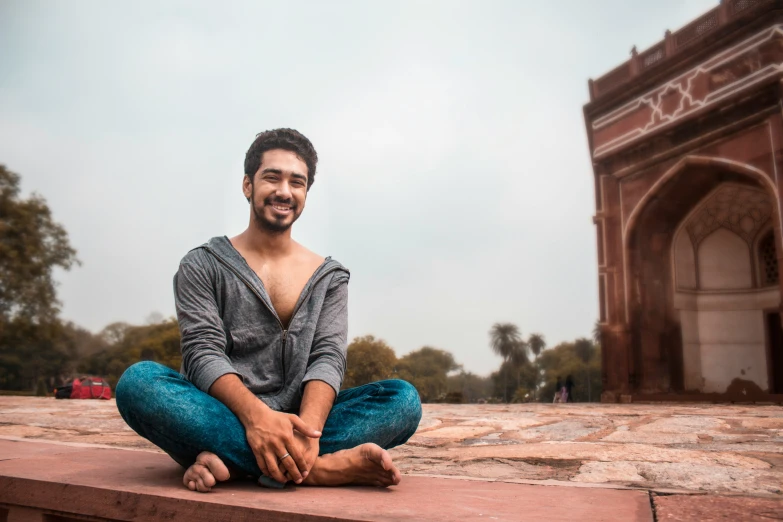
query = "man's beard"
{"x": 274, "y": 225}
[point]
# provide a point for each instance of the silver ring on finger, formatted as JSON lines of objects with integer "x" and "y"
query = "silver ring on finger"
{"x": 284, "y": 456}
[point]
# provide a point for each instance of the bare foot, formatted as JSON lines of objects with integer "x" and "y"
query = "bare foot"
{"x": 207, "y": 471}
{"x": 365, "y": 465}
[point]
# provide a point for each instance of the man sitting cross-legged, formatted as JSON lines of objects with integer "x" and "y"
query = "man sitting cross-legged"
{"x": 264, "y": 331}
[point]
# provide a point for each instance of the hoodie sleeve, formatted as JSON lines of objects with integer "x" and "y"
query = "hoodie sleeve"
{"x": 203, "y": 343}
{"x": 327, "y": 357}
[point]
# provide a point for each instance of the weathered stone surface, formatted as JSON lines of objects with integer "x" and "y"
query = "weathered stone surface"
{"x": 603, "y": 452}
{"x": 683, "y": 476}
{"x": 456, "y": 433}
{"x": 688, "y": 424}
{"x": 775, "y": 423}
{"x": 708, "y": 508}
{"x": 711, "y": 478}
{"x": 108, "y": 484}
{"x": 603, "y": 472}
{"x": 713, "y": 448}
{"x": 643, "y": 437}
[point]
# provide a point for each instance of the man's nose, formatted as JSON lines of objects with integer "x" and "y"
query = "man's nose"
{"x": 283, "y": 190}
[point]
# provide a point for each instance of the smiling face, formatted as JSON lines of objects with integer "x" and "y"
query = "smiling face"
{"x": 278, "y": 190}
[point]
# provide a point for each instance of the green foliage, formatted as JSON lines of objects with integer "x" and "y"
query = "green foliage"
{"x": 504, "y": 338}
{"x": 34, "y": 346}
{"x": 32, "y": 244}
{"x": 32, "y": 351}
{"x": 569, "y": 359}
{"x": 510, "y": 377}
{"x": 369, "y": 360}
{"x": 506, "y": 341}
{"x": 536, "y": 343}
{"x": 427, "y": 370}
{"x": 157, "y": 342}
{"x": 522, "y": 394}
{"x": 597, "y": 333}
{"x": 584, "y": 348}
{"x": 471, "y": 387}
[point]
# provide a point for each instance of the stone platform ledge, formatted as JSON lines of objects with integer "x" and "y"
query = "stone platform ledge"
{"x": 44, "y": 482}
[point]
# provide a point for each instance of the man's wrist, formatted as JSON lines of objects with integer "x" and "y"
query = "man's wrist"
{"x": 313, "y": 420}
{"x": 253, "y": 413}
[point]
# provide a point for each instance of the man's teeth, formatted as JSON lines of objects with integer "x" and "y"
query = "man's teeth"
{"x": 278, "y": 207}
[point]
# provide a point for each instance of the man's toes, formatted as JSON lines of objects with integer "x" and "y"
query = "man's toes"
{"x": 386, "y": 460}
{"x": 388, "y": 479}
{"x": 377, "y": 455}
{"x": 216, "y": 466}
{"x": 396, "y": 476}
{"x": 201, "y": 487}
{"x": 191, "y": 474}
{"x": 206, "y": 478}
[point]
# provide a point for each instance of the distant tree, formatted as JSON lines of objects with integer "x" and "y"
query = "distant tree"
{"x": 85, "y": 342}
{"x": 154, "y": 317}
{"x": 32, "y": 245}
{"x": 519, "y": 359}
{"x": 115, "y": 332}
{"x": 471, "y": 387}
{"x": 510, "y": 378}
{"x": 562, "y": 360}
{"x": 597, "y": 333}
{"x": 34, "y": 351}
{"x": 504, "y": 339}
{"x": 536, "y": 343}
{"x": 584, "y": 349}
{"x": 33, "y": 347}
{"x": 427, "y": 369}
{"x": 369, "y": 360}
{"x": 158, "y": 342}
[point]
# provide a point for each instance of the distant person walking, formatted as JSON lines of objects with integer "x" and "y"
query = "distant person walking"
{"x": 558, "y": 391}
{"x": 569, "y": 386}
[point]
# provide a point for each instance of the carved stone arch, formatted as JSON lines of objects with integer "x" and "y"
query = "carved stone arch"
{"x": 656, "y": 363}
{"x": 690, "y": 161}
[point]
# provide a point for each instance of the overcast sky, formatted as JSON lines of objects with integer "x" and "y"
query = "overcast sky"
{"x": 454, "y": 177}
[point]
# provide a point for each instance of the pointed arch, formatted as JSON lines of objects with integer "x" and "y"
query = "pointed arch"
{"x": 701, "y": 161}
{"x": 750, "y": 171}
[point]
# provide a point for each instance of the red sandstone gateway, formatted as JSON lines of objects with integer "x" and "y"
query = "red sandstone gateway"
{"x": 686, "y": 140}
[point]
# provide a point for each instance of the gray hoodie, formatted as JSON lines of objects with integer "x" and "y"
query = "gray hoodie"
{"x": 228, "y": 325}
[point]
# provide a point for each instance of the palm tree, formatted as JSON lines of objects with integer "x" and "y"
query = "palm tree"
{"x": 519, "y": 358}
{"x": 504, "y": 339}
{"x": 597, "y": 333}
{"x": 584, "y": 349}
{"x": 536, "y": 343}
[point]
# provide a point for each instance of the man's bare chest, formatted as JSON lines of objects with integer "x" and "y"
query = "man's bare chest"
{"x": 284, "y": 290}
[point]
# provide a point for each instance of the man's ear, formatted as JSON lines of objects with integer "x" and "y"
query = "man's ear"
{"x": 247, "y": 187}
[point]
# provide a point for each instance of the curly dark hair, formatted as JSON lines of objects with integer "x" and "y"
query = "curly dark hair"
{"x": 286, "y": 139}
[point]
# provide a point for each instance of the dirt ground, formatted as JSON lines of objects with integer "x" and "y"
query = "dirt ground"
{"x": 666, "y": 448}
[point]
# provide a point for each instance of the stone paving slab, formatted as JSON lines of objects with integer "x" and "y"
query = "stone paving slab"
{"x": 144, "y": 486}
{"x": 684, "y": 508}
{"x": 705, "y": 448}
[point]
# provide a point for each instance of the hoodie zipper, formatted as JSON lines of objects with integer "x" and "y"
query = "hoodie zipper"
{"x": 271, "y": 310}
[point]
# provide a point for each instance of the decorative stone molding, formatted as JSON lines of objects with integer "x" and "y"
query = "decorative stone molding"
{"x": 725, "y": 74}
{"x": 743, "y": 210}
